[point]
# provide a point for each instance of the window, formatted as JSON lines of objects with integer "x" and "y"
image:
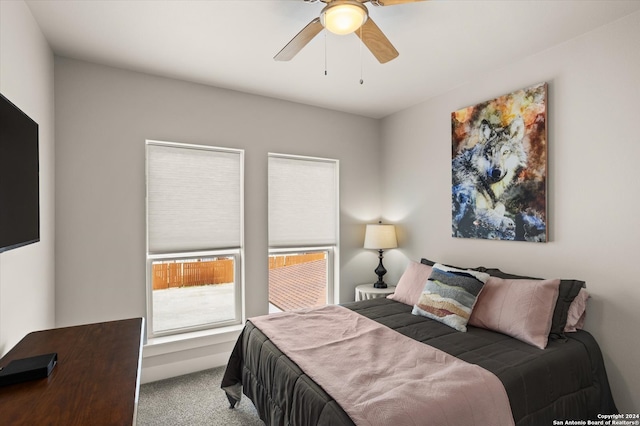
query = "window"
{"x": 194, "y": 237}
{"x": 303, "y": 231}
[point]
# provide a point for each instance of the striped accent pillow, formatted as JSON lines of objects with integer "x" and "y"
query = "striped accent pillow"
{"x": 449, "y": 295}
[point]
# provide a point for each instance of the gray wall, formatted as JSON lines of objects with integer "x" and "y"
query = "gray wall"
{"x": 594, "y": 147}
{"x": 104, "y": 115}
{"x": 27, "y": 273}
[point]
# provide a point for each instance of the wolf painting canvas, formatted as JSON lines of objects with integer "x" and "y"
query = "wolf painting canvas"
{"x": 499, "y": 168}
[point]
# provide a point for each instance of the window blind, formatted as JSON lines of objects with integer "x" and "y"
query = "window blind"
{"x": 193, "y": 198}
{"x": 303, "y": 201}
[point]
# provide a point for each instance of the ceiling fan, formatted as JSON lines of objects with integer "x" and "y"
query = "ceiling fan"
{"x": 345, "y": 17}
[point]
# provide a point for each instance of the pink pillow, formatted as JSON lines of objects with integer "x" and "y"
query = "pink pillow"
{"x": 522, "y": 309}
{"x": 411, "y": 283}
{"x": 577, "y": 312}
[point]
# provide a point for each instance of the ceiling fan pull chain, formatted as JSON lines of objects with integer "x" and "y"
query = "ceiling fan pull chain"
{"x": 325, "y": 52}
{"x": 361, "y": 66}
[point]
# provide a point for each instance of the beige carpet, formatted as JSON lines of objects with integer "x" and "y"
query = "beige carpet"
{"x": 192, "y": 400}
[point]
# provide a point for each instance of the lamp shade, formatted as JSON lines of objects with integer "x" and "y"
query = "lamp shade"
{"x": 343, "y": 17}
{"x": 379, "y": 236}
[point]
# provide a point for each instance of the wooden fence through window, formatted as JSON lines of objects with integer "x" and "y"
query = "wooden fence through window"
{"x": 192, "y": 273}
{"x": 294, "y": 259}
{"x": 213, "y": 271}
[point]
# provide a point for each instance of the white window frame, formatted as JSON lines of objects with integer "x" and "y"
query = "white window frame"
{"x": 333, "y": 252}
{"x": 236, "y": 253}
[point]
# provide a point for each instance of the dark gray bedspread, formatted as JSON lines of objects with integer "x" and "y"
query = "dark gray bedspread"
{"x": 566, "y": 381}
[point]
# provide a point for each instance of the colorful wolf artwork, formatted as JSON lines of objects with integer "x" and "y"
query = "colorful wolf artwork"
{"x": 499, "y": 168}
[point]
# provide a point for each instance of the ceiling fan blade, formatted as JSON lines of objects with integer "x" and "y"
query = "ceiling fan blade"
{"x": 392, "y": 2}
{"x": 299, "y": 41}
{"x": 377, "y": 42}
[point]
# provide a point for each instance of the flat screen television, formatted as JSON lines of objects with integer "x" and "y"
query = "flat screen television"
{"x": 19, "y": 175}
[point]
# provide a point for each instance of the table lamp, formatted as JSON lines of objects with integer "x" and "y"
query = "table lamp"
{"x": 380, "y": 237}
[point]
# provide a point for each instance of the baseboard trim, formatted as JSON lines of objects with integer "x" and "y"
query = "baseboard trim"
{"x": 179, "y": 368}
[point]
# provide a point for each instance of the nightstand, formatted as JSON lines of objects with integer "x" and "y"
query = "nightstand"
{"x": 368, "y": 291}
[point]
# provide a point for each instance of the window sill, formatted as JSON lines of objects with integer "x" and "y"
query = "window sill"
{"x": 186, "y": 341}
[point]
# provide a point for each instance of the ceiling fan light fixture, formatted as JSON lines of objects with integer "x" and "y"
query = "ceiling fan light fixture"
{"x": 343, "y": 17}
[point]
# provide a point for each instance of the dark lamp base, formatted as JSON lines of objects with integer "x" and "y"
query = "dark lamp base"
{"x": 380, "y": 271}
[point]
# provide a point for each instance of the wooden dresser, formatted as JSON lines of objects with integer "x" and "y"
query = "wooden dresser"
{"x": 95, "y": 382}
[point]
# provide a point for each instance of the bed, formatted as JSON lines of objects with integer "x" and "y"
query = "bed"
{"x": 564, "y": 381}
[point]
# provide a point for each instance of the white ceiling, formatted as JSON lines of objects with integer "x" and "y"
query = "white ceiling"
{"x": 231, "y": 44}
